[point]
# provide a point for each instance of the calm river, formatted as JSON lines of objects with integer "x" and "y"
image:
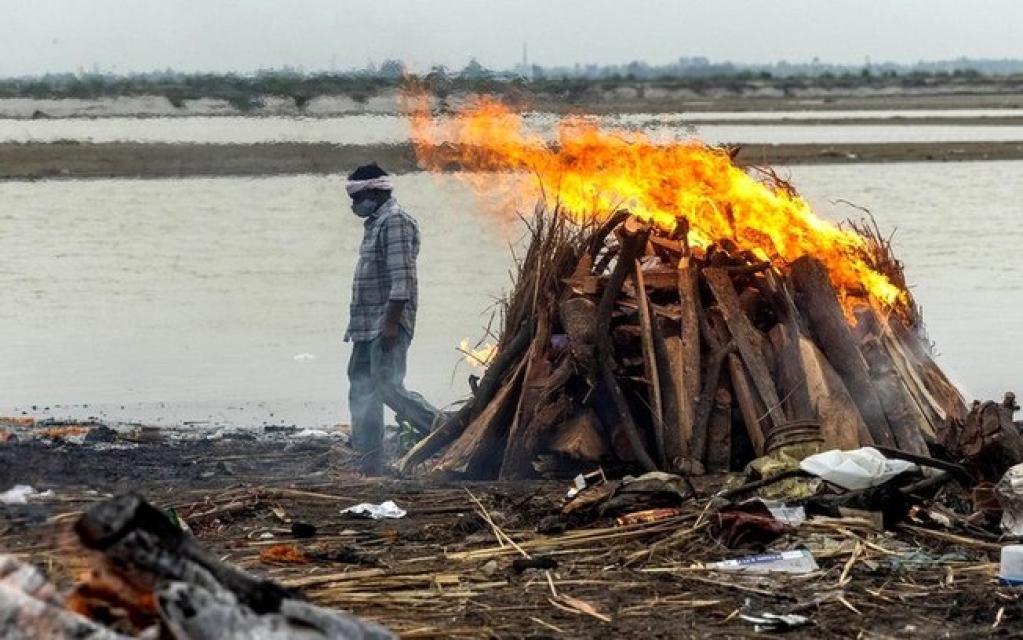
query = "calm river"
{"x": 223, "y": 301}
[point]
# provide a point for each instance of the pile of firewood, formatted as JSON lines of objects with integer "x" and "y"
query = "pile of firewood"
{"x": 621, "y": 342}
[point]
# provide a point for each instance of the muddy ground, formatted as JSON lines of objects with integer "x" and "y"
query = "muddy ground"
{"x": 440, "y": 572}
{"x": 69, "y": 160}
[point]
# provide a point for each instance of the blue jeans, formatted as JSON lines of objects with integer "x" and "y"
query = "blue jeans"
{"x": 377, "y": 378}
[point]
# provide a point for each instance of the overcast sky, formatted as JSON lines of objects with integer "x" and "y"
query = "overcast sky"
{"x": 122, "y": 36}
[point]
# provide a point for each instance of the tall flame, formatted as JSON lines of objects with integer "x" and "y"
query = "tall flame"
{"x": 591, "y": 172}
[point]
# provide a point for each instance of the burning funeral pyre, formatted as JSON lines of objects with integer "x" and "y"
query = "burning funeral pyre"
{"x": 677, "y": 312}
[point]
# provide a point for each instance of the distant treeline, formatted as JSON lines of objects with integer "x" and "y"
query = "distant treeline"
{"x": 697, "y": 74}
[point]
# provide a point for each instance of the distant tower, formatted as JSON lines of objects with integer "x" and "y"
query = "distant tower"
{"x": 527, "y": 71}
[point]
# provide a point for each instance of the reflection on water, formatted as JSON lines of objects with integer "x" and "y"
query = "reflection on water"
{"x": 224, "y": 300}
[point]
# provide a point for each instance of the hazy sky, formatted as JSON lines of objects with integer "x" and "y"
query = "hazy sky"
{"x": 37, "y": 36}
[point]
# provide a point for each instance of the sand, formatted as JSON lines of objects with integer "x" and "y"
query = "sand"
{"x": 71, "y": 159}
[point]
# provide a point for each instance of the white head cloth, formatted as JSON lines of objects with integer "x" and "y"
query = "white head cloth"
{"x": 384, "y": 183}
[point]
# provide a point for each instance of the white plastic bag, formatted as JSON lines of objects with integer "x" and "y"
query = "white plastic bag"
{"x": 856, "y": 469}
{"x": 1010, "y": 494}
{"x": 376, "y": 511}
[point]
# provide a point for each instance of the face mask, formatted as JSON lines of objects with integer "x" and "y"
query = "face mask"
{"x": 365, "y": 207}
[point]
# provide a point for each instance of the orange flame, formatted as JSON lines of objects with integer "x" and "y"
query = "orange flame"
{"x": 590, "y": 173}
{"x": 480, "y": 356}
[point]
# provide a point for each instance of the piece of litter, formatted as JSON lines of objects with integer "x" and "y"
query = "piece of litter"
{"x": 856, "y": 469}
{"x": 302, "y": 357}
{"x": 19, "y": 494}
{"x": 800, "y": 561}
{"x": 791, "y": 516}
{"x": 380, "y": 511}
{"x": 775, "y": 621}
{"x": 579, "y": 483}
{"x": 312, "y": 433}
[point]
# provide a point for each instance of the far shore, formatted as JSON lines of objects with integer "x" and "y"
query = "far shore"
{"x": 70, "y": 160}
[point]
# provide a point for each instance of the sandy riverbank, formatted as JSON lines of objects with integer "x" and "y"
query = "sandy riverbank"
{"x": 136, "y": 160}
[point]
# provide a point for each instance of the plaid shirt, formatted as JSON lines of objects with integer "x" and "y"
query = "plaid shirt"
{"x": 386, "y": 271}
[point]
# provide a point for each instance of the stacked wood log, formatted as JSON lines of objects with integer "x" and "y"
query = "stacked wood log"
{"x": 622, "y": 342}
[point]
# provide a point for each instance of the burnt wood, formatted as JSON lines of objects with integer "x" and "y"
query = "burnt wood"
{"x": 747, "y": 341}
{"x": 818, "y": 303}
{"x": 907, "y": 422}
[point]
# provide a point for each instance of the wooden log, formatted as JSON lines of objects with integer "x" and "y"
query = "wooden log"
{"x": 818, "y": 304}
{"x": 750, "y": 405}
{"x": 688, "y": 383}
{"x": 661, "y": 279}
{"x": 719, "y": 352}
{"x": 791, "y": 376}
{"x": 542, "y": 404}
{"x": 946, "y": 398}
{"x": 651, "y": 367}
{"x": 600, "y": 235}
{"x": 478, "y": 451}
{"x": 908, "y": 372}
{"x": 668, "y": 312}
{"x": 505, "y": 360}
{"x": 747, "y": 341}
{"x": 579, "y": 321}
{"x": 634, "y": 240}
{"x": 552, "y": 411}
{"x": 990, "y": 441}
{"x": 580, "y": 438}
{"x": 719, "y": 433}
{"x": 453, "y": 427}
{"x": 669, "y": 398}
{"x": 842, "y": 427}
{"x": 750, "y": 301}
{"x": 516, "y": 461}
{"x": 907, "y": 421}
{"x": 671, "y": 250}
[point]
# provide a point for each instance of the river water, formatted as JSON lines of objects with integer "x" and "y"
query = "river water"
{"x": 787, "y": 127}
{"x": 222, "y": 301}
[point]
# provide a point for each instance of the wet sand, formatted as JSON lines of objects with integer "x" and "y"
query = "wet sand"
{"x": 35, "y": 161}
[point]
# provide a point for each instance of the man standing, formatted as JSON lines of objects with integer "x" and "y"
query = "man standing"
{"x": 382, "y": 316}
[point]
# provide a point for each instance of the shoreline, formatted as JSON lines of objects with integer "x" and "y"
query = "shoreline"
{"x": 70, "y": 160}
